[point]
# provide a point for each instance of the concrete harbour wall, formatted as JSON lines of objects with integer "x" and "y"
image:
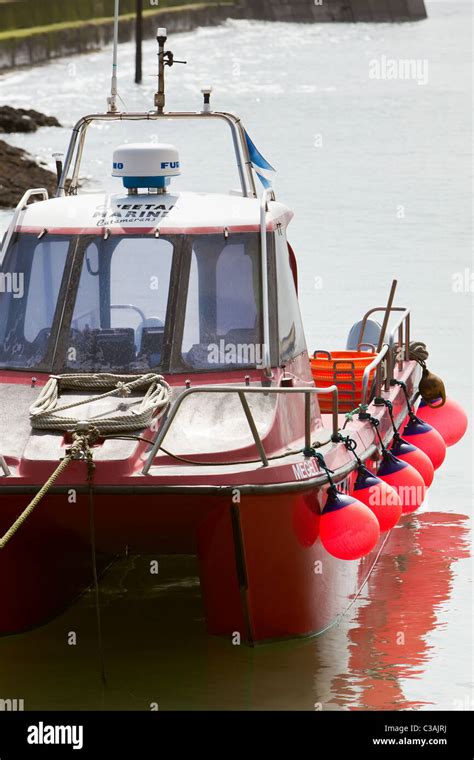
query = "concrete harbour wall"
{"x": 56, "y": 40}
{"x": 34, "y": 33}
{"x": 336, "y": 10}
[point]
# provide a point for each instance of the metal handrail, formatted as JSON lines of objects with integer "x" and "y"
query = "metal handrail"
{"x": 405, "y": 317}
{"x": 375, "y": 364}
{"x": 4, "y": 467}
{"x": 73, "y": 157}
{"x": 402, "y": 328}
{"x": 267, "y": 195}
{"x": 21, "y": 206}
{"x": 241, "y": 391}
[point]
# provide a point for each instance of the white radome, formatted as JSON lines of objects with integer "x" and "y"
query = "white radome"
{"x": 146, "y": 160}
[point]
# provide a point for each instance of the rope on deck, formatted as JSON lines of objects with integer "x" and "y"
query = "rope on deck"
{"x": 44, "y": 412}
{"x": 44, "y": 416}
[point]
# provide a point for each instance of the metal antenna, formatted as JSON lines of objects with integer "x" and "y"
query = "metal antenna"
{"x": 164, "y": 59}
{"x": 138, "y": 41}
{"x": 112, "y": 100}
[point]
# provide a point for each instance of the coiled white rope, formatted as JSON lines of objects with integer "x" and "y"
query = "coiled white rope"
{"x": 44, "y": 413}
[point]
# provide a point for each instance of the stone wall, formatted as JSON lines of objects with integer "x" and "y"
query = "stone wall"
{"x": 27, "y": 14}
{"x": 19, "y": 47}
{"x": 54, "y": 43}
{"x": 335, "y": 10}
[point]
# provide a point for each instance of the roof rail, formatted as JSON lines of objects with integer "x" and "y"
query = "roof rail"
{"x": 21, "y": 206}
{"x": 76, "y": 145}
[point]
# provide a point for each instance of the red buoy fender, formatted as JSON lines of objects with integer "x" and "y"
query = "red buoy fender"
{"x": 379, "y": 497}
{"x": 414, "y": 456}
{"x": 450, "y": 420}
{"x": 348, "y": 529}
{"x": 407, "y": 481}
{"x": 426, "y": 438}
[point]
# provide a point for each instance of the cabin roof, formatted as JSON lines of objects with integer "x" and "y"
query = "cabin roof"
{"x": 171, "y": 213}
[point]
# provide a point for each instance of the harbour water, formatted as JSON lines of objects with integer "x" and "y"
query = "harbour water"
{"x": 377, "y": 171}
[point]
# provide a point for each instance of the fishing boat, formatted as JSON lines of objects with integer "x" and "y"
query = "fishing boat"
{"x": 157, "y": 397}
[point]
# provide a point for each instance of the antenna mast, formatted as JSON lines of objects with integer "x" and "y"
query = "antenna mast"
{"x": 164, "y": 59}
{"x": 112, "y": 100}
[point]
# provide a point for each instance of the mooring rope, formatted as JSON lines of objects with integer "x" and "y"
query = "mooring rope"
{"x": 81, "y": 443}
{"x": 81, "y": 447}
{"x": 95, "y": 575}
{"x": 43, "y": 416}
{"x": 419, "y": 352}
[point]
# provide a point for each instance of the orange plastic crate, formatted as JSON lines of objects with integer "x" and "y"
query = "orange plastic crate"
{"x": 344, "y": 369}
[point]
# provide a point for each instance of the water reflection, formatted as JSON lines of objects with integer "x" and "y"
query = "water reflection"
{"x": 388, "y": 642}
{"x": 156, "y": 649}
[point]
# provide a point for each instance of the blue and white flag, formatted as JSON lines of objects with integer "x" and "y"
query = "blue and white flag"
{"x": 264, "y": 171}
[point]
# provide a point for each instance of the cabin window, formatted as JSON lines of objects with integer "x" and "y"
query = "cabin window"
{"x": 290, "y": 327}
{"x": 121, "y": 305}
{"x": 30, "y": 280}
{"x": 223, "y": 312}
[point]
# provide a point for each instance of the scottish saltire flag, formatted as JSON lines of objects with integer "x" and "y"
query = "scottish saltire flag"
{"x": 264, "y": 171}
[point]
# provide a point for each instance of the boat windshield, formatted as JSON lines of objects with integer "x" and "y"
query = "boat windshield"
{"x": 223, "y": 325}
{"x": 130, "y": 303}
{"x": 30, "y": 283}
{"x": 121, "y": 302}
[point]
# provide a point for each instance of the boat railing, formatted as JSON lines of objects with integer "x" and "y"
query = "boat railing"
{"x": 21, "y": 206}
{"x": 267, "y": 196}
{"x": 4, "y": 467}
{"x": 75, "y": 150}
{"x": 242, "y": 392}
{"x": 398, "y": 338}
{"x": 378, "y": 364}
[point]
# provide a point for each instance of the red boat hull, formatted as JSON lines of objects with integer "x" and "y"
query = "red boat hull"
{"x": 264, "y": 573}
